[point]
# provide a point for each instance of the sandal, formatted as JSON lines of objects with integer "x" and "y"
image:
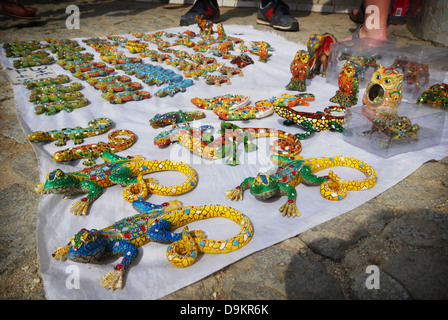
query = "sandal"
{"x": 355, "y": 34}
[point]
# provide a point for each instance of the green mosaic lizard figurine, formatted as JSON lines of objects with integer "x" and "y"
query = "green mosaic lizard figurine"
{"x": 291, "y": 171}
{"x": 126, "y": 171}
{"x": 77, "y": 134}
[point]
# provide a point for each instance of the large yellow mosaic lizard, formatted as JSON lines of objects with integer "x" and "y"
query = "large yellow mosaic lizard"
{"x": 155, "y": 223}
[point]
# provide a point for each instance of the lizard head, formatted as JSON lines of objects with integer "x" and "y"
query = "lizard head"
{"x": 63, "y": 155}
{"x": 264, "y": 187}
{"x": 86, "y": 246}
{"x": 38, "y": 136}
{"x": 58, "y": 182}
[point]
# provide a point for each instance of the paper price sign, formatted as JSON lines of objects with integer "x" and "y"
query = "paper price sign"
{"x": 19, "y": 76}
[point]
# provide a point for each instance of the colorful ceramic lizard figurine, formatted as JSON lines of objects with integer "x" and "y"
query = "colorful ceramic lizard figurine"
{"x": 201, "y": 141}
{"x": 154, "y": 223}
{"x": 56, "y": 88}
{"x": 362, "y": 63}
{"x": 395, "y": 129}
{"x": 116, "y": 170}
{"x": 162, "y": 120}
{"x": 55, "y": 97}
{"x": 36, "y": 58}
{"x": 174, "y": 88}
{"x": 77, "y": 134}
{"x": 312, "y": 121}
{"x": 234, "y": 107}
{"x": 282, "y": 180}
{"x": 90, "y": 151}
{"x": 225, "y": 101}
{"x": 60, "y": 79}
{"x": 291, "y": 100}
{"x": 54, "y": 107}
{"x": 20, "y": 49}
{"x": 262, "y": 108}
{"x": 217, "y": 80}
{"x": 435, "y": 96}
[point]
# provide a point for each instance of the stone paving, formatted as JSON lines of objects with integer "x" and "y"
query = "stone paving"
{"x": 404, "y": 231}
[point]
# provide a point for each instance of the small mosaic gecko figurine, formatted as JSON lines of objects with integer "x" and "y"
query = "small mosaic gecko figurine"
{"x": 154, "y": 223}
{"x": 89, "y": 151}
{"x": 55, "y": 97}
{"x": 224, "y": 101}
{"x": 261, "y": 109}
{"x": 51, "y": 108}
{"x": 174, "y": 88}
{"x": 77, "y": 134}
{"x": 436, "y": 96}
{"x": 394, "y": 128}
{"x": 162, "y": 120}
{"x": 217, "y": 80}
{"x": 282, "y": 180}
{"x": 312, "y": 121}
{"x": 126, "y": 171}
{"x": 56, "y": 88}
{"x": 362, "y": 63}
{"x": 36, "y": 58}
{"x": 60, "y": 79}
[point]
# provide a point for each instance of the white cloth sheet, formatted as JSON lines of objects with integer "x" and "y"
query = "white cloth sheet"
{"x": 151, "y": 275}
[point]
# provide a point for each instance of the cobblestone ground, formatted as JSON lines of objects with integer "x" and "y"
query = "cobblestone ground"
{"x": 403, "y": 231}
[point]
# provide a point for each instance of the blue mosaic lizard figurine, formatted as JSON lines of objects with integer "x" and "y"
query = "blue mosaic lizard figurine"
{"x": 154, "y": 223}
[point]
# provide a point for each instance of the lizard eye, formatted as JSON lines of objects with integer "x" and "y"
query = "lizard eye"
{"x": 88, "y": 237}
{"x": 55, "y": 174}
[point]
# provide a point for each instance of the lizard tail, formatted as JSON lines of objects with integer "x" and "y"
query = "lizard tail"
{"x": 335, "y": 188}
{"x": 142, "y": 187}
{"x": 183, "y": 253}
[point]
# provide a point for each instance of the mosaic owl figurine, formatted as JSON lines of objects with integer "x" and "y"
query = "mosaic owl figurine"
{"x": 300, "y": 71}
{"x": 384, "y": 91}
{"x": 347, "y": 95}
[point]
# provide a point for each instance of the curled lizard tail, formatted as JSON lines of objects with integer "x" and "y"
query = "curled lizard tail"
{"x": 142, "y": 187}
{"x": 183, "y": 253}
{"x": 335, "y": 188}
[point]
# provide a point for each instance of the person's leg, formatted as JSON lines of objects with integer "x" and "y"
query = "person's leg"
{"x": 15, "y": 10}
{"x": 208, "y": 9}
{"x": 275, "y": 13}
{"x": 375, "y": 21}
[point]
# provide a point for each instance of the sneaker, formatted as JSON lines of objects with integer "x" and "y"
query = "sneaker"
{"x": 205, "y": 8}
{"x": 276, "y": 14}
